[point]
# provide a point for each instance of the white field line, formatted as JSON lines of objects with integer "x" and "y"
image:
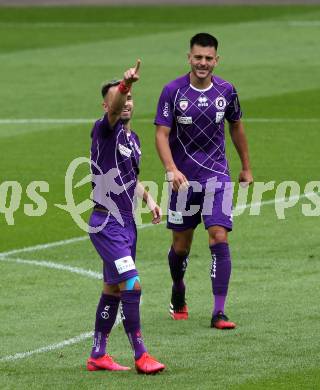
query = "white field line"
{"x": 35, "y": 25}
{"x": 52, "y": 347}
{"x": 304, "y": 23}
{"x": 295, "y": 23}
{"x": 58, "y": 243}
{"x": 50, "y": 264}
{"x": 43, "y": 246}
{"x": 276, "y": 201}
{"x": 47, "y": 121}
{"x": 64, "y": 121}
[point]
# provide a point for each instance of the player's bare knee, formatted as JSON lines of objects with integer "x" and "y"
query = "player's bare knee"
{"x": 111, "y": 289}
{"x": 181, "y": 251}
{"x": 181, "y": 246}
{"x": 217, "y": 236}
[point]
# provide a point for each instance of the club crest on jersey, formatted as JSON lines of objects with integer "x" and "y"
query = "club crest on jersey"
{"x": 219, "y": 116}
{"x": 202, "y": 101}
{"x": 183, "y": 104}
{"x": 220, "y": 103}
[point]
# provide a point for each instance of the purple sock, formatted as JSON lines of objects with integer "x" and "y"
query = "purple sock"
{"x": 219, "y": 302}
{"x": 130, "y": 300}
{"x": 178, "y": 265}
{"x": 105, "y": 317}
{"x": 220, "y": 274}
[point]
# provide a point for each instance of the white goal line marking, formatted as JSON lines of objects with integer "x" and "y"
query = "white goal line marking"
{"x": 65, "y": 121}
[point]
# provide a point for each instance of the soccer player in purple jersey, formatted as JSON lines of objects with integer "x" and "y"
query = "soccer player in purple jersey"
{"x": 115, "y": 156}
{"x": 191, "y": 144}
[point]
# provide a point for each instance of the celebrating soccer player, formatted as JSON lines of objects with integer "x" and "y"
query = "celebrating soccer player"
{"x": 191, "y": 144}
{"x": 115, "y": 156}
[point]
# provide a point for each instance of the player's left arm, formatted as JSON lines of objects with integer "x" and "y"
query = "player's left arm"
{"x": 152, "y": 205}
{"x": 239, "y": 140}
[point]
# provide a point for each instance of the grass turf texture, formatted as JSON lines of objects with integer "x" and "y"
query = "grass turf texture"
{"x": 53, "y": 61}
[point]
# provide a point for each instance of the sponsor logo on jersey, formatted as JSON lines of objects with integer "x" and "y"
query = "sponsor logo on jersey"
{"x": 183, "y": 104}
{"x": 203, "y": 101}
{"x": 220, "y": 103}
{"x": 219, "y": 116}
{"x": 184, "y": 120}
{"x": 124, "y": 151}
{"x": 175, "y": 217}
{"x": 124, "y": 264}
{"x": 166, "y": 109}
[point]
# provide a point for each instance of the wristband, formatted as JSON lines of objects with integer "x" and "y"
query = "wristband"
{"x": 123, "y": 88}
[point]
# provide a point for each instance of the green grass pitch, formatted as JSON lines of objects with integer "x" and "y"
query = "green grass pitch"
{"x": 53, "y": 61}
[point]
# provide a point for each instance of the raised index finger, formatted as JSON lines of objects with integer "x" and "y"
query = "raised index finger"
{"x": 136, "y": 69}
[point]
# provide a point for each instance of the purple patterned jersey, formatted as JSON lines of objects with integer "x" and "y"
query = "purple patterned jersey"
{"x": 115, "y": 158}
{"x": 196, "y": 119}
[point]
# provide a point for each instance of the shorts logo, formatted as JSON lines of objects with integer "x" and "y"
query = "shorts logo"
{"x": 183, "y": 104}
{"x": 185, "y": 120}
{"x": 124, "y": 151}
{"x": 202, "y": 101}
{"x": 219, "y": 116}
{"x": 124, "y": 264}
{"x": 220, "y": 103}
{"x": 166, "y": 109}
{"x": 175, "y": 217}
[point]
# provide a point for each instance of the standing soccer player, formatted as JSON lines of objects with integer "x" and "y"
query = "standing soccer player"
{"x": 191, "y": 144}
{"x": 115, "y": 157}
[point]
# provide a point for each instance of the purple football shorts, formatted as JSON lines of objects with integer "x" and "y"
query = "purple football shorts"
{"x": 116, "y": 245}
{"x": 211, "y": 200}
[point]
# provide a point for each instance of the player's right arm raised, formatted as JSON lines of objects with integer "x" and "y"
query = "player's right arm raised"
{"x": 176, "y": 177}
{"x": 120, "y": 97}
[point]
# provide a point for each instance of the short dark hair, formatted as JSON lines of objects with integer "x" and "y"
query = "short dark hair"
{"x": 106, "y": 86}
{"x": 204, "y": 40}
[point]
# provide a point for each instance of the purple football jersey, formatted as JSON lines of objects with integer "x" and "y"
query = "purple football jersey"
{"x": 115, "y": 158}
{"x": 196, "y": 119}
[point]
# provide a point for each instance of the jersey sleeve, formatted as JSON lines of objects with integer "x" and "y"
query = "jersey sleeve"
{"x": 164, "y": 115}
{"x": 233, "y": 111}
